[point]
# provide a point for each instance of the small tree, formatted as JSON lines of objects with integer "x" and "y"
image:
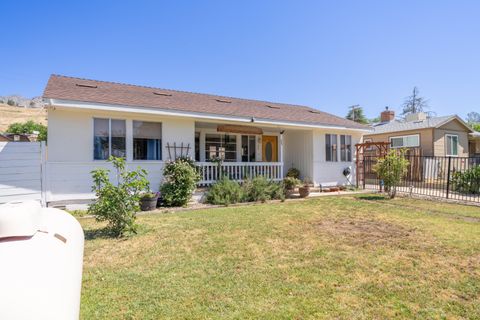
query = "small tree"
{"x": 10, "y": 102}
{"x": 356, "y": 114}
{"x": 181, "y": 179}
{"x": 29, "y": 127}
{"x": 392, "y": 169}
{"x": 118, "y": 203}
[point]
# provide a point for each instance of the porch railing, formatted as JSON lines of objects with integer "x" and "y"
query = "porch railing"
{"x": 238, "y": 171}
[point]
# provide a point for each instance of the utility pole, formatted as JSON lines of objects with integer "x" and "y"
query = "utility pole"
{"x": 354, "y": 107}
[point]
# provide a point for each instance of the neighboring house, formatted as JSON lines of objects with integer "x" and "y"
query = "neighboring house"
{"x": 474, "y": 144}
{"x": 89, "y": 120}
{"x": 13, "y": 137}
{"x": 435, "y": 136}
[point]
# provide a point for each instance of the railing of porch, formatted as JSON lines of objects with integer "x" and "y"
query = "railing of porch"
{"x": 238, "y": 171}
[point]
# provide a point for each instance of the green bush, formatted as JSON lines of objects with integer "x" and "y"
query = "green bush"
{"x": 118, "y": 203}
{"x": 225, "y": 192}
{"x": 467, "y": 181}
{"x": 291, "y": 182}
{"x": 262, "y": 189}
{"x": 181, "y": 177}
{"x": 293, "y": 173}
{"x": 28, "y": 128}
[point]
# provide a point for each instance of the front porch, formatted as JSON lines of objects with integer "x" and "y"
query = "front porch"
{"x": 238, "y": 151}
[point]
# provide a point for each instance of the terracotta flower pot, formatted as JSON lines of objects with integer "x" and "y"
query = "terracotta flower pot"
{"x": 304, "y": 191}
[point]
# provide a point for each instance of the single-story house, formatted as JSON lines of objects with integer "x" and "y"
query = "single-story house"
{"x": 90, "y": 120}
{"x": 434, "y": 136}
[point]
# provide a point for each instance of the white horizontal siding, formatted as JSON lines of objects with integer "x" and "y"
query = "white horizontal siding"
{"x": 73, "y": 180}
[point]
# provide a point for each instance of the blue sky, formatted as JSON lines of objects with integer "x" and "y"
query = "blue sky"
{"x": 325, "y": 54}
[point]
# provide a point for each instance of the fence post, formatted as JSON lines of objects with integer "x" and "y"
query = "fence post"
{"x": 43, "y": 172}
{"x": 363, "y": 173}
{"x": 448, "y": 176}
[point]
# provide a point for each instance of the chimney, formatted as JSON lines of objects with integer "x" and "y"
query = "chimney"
{"x": 387, "y": 115}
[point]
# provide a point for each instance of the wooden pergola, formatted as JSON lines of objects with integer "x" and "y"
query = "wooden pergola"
{"x": 371, "y": 149}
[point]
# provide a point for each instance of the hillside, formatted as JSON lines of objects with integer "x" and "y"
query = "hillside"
{"x": 9, "y": 115}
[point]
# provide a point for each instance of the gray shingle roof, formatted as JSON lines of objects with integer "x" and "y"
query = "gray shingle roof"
{"x": 397, "y": 125}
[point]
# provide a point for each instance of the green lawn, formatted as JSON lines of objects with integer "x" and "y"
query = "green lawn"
{"x": 333, "y": 257}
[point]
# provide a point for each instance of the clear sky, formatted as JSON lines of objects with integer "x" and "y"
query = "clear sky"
{"x": 325, "y": 54}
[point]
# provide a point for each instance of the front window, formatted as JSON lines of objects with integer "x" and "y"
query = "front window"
{"x": 410, "y": 141}
{"x": 248, "y": 148}
{"x": 345, "y": 148}
{"x": 147, "y": 140}
{"x": 109, "y": 137}
{"x": 452, "y": 145}
{"x": 221, "y": 146}
{"x": 331, "y": 147}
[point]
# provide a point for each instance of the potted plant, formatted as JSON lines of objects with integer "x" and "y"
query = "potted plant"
{"x": 290, "y": 183}
{"x": 148, "y": 201}
{"x": 305, "y": 189}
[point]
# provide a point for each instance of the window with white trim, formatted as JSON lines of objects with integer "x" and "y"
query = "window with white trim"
{"x": 345, "y": 148}
{"x": 223, "y": 146}
{"x": 248, "y": 148}
{"x": 409, "y": 141}
{"x": 331, "y": 148}
{"x": 147, "y": 140}
{"x": 109, "y": 138}
{"x": 452, "y": 144}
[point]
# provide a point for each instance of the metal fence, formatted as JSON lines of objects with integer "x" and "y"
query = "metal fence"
{"x": 455, "y": 178}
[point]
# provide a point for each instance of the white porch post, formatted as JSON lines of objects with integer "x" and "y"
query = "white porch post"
{"x": 281, "y": 154}
{"x": 202, "y": 145}
{"x": 129, "y": 137}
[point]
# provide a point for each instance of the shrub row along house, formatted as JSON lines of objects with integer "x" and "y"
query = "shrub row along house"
{"x": 90, "y": 120}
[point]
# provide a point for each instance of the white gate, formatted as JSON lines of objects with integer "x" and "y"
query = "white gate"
{"x": 22, "y": 171}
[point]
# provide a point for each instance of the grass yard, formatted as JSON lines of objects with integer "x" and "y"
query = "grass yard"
{"x": 345, "y": 257}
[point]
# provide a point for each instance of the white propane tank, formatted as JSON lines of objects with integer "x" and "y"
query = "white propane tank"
{"x": 41, "y": 257}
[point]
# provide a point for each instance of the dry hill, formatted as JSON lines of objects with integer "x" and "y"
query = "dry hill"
{"x": 9, "y": 115}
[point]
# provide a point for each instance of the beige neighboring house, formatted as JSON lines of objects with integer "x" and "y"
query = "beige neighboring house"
{"x": 434, "y": 136}
{"x": 474, "y": 144}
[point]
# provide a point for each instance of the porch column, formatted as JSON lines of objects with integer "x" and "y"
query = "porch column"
{"x": 129, "y": 139}
{"x": 201, "y": 139}
{"x": 281, "y": 154}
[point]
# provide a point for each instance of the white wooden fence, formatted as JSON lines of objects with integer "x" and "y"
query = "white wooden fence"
{"x": 22, "y": 171}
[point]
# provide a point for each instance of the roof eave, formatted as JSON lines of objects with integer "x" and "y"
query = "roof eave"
{"x": 178, "y": 113}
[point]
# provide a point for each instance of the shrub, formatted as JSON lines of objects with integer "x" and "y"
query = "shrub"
{"x": 261, "y": 189}
{"x": 294, "y": 173}
{"x": 291, "y": 182}
{"x": 117, "y": 203}
{"x": 467, "y": 181}
{"x": 181, "y": 179}
{"x": 28, "y": 128}
{"x": 391, "y": 169}
{"x": 10, "y": 102}
{"x": 225, "y": 192}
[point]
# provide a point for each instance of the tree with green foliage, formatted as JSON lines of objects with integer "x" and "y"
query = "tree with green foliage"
{"x": 10, "y": 102}
{"x": 118, "y": 202}
{"x": 29, "y": 127}
{"x": 356, "y": 114}
{"x": 391, "y": 170}
{"x": 473, "y": 120}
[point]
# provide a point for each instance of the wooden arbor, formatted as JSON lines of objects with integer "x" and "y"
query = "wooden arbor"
{"x": 368, "y": 149}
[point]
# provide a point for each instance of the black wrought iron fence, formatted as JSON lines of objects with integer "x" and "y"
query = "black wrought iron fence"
{"x": 442, "y": 177}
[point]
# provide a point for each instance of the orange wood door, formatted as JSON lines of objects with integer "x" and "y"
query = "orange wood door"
{"x": 270, "y": 148}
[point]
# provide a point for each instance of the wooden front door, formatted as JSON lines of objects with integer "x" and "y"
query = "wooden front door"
{"x": 270, "y": 148}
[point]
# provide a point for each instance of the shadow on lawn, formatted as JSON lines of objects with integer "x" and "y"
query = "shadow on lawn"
{"x": 373, "y": 198}
{"x": 102, "y": 233}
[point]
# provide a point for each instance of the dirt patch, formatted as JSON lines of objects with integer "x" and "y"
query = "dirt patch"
{"x": 366, "y": 231}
